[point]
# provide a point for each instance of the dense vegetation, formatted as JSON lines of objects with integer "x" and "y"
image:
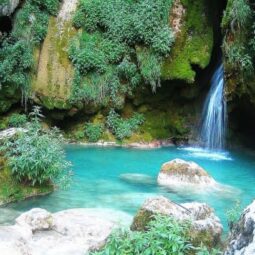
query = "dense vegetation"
{"x": 122, "y": 43}
{"x": 165, "y": 236}
{"x": 35, "y": 156}
{"x": 239, "y": 24}
{"x": 16, "y": 48}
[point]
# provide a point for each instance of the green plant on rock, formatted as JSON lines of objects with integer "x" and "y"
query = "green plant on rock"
{"x": 93, "y": 131}
{"x": 203, "y": 250}
{"x": 164, "y": 236}
{"x": 17, "y": 120}
{"x": 123, "y": 128}
{"x": 36, "y": 156}
{"x": 238, "y": 24}
{"x": 233, "y": 214}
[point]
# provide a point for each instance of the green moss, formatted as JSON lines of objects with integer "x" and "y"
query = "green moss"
{"x": 11, "y": 191}
{"x": 193, "y": 44}
{"x": 51, "y": 103}
{"x": 141, "y": 220}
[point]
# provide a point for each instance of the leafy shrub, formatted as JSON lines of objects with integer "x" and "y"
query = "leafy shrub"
{"x": 112, "y": 28}
{"x": 202, "y": 250}
{"x": 150, "y": 67}
{"x": 123, "y": 128}
{"x": 238, "y": 23}
{"x": 233, "y": 214}
{"x": 79, "y": 135}
{"x": 93, "y": 131}
{"x": 17, "y": 120}
{"x": 16, "y": 50}
{"x": 164, "y": 236}
{"x": 36, "y": 156}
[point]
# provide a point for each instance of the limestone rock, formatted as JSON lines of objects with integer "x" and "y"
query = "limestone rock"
{"x": 205, "y": 225}
{"x": 242, "y": 236}
{"x": 75, "y": 231}
{"x": 7, "y": 133}
{"x": 8, "y": 7}
{"x": 179, "y": 172}
{"x": 36, "y": 219}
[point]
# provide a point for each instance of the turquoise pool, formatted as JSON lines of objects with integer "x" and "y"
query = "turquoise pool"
{"x": 121, "y": 178}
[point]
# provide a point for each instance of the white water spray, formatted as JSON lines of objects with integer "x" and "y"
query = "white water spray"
{"x": 214, "y": 118}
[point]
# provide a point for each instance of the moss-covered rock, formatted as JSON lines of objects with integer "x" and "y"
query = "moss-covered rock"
{"x": 12, "y": 191}
{"x": 8, "y": 97}
{"x": 205, "y": 227}
{"x": 193, "y": 45}
{"x": 53, "y": 80}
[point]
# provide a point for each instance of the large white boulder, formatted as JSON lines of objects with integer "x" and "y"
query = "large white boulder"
{"x": 242, "y": 235}
{"x": 70, "y": 232}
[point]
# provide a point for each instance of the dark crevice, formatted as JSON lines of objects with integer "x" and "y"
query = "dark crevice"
{"x": 5, "y": 25}
{"x": 216, "y": 10}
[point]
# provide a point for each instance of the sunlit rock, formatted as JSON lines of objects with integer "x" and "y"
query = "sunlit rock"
{"x": 205, "y": 225}
{"x": 242, "y": 236}
{"x": 75, "y": 231}
{"x": 179, "y": 172}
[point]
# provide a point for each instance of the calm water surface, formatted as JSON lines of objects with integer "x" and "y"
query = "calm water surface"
{"x": 122, "y": 179}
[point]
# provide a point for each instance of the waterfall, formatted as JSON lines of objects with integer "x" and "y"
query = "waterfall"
{"x": 214, "y": 118}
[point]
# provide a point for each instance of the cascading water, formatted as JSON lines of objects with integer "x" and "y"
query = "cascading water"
{"x": 214, "y": 118}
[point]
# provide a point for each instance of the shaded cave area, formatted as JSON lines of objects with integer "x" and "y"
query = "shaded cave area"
{"x": 5, "y": 25}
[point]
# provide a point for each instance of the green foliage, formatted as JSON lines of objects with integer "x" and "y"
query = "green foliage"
{"x": 150, "y": 67}
{"x": 93, "y": 131}
{"x": 123, "y": 128}
{"x": 193, "y": 45}
{"x": 238, "y": 24}
{"x": 16, "y": 59}
{"x": 164, "y": 236}
{"x": 17, "y": 120}
{"x": 106, "y": 48}
{"x": 16, "y": 49}
{"x": 237, "y": 14}
{"x": 79, "y": 135}
{"x": 234, "y": 213}
{"x": 204, "y": 251}
{"x": 36, "y": 156}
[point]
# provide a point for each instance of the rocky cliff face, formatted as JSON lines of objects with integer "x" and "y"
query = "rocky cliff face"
{"x": 53, "y": 74}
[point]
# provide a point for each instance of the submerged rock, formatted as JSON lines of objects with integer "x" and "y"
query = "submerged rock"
{"x": 205, "y": 225}
{"x": 137, "y": 178}
{"x": 242, "y": 235}
{"x": 75, "y": 231}
{"x": 179, "y": 172}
